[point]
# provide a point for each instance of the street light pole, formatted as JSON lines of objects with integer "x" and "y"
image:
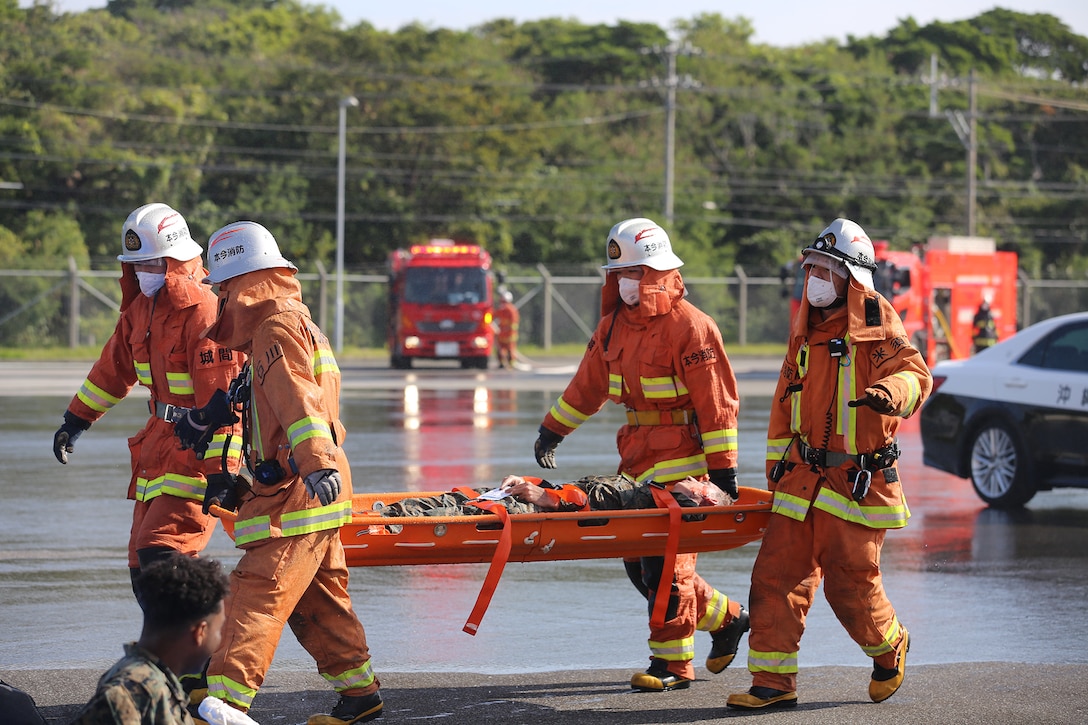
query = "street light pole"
{"x": 339, "y": 337}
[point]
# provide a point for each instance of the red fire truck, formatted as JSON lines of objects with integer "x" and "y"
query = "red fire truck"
{"x": 938, "y": 288}
{"x": 440, "y": 304}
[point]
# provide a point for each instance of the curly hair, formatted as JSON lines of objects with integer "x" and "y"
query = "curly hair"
{"x": 180, "y": 590}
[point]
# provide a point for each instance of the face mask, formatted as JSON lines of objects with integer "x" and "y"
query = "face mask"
{"x": 629, "y": 290}
{"x": 820, "y": 292}
{"x": 151, "y": 282}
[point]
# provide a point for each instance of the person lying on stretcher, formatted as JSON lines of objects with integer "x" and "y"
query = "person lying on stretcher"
{"x": 521, "y": 494}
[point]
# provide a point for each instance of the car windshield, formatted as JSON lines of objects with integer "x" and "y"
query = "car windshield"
{"x": 445, "y": 285}
{"x": 1064, "y": 349}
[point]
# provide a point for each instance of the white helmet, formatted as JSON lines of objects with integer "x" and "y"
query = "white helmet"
{"x": 507, "y": 296}
{"x": 640, "y": 241}
{"x": 242, "y": 247}
{"x": 848, "y": 243}
{"x": 154, "y": 231}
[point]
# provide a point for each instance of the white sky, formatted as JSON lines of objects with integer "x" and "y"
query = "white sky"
{"x": 776, "y": 22}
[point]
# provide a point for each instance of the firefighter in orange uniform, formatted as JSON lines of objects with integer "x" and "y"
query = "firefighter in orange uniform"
{"x": 298, "y": 489}
{"x": 157, "y": 343}
{"x": 507, "y": 317}
{"x": 662, "y": 359}
{"x": 849, "y": 377}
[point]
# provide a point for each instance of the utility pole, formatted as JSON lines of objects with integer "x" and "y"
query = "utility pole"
{"x": 671, "y": 83}
{"x": 967, "y": 131}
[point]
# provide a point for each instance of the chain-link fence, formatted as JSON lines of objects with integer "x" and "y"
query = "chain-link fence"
{"x": 74, "y": 307}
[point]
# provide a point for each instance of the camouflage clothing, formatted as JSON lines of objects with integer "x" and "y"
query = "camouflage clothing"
{"x": 138, "y": 690}
{"x": 605, "y": 493}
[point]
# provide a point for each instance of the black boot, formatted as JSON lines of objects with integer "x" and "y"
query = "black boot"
{"x": 351, "y": 710}
{"x": 726, "y": 641}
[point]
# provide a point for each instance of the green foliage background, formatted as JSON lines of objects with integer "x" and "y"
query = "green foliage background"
{"x": 531, "y": 138}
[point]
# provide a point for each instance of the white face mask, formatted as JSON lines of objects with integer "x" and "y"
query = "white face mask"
{"x": 629, "y": 290}
{"x": 151, "y": 282}
{"x": 820, "y": 292}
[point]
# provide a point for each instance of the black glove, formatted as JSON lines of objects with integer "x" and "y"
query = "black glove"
{"x": 544, "y": 448}
{"x": 726, "y": 480}
{"x": 196, "y": 429}
{"x": 64, "y": 440}
{"x": 878, "y": 398}
{"x": 222, "y": 491}
{"x": 324, "y": 484}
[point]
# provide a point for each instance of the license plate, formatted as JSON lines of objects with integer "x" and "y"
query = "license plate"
{"x": 446, "y": 349}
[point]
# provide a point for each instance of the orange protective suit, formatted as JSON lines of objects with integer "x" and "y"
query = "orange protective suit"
{"x": 665, "y": 362}
{"x": 157, "y": 343}
{"x": 820, "y": 530}
{"x": 293, "y": 569}
{"x": 508, "y": 318}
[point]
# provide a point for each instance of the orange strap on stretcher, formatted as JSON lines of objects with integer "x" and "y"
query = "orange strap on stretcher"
{"x": 666, "y": 500}
{"x": 498, "y": 559}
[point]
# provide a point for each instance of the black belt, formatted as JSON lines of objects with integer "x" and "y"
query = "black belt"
{"x": 167, "y": 411}
{"x": 875, "y": 461}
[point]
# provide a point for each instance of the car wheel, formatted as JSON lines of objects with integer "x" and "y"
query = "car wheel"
{"x": 1000, "y": 470}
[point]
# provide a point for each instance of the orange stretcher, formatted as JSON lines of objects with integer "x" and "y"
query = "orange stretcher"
{"x": 499, "y": 537}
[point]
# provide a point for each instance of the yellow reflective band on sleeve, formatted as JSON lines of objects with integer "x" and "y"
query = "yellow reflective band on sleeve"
{"x": 717, "y": 441}
{"x": 783, "y": 663}
{"x": 892, "y": 635}
{"x": 324, "y": 362}
{"x": 171, "y": 484}
{"x": 180, "y": 383}
{"x": 143, "y": 372}
{"x": 215, "y": 447}
{"x": 674, "y": 650}
{"x": 351, "y": 679}
{"x": 307, "y": 521}
{"x": 246, "y": 531}
{"x": 675, "y": 469}
{"x": 567, "y": 415}
{"x": 615, "y": 385}
{"x": 662, "y": 388}
{"x": 914, "y": 392}
{"x": 229, "y": 690}
{"x": 875, "y": 517}
{"x": 776, "y": 448}
{"x": 95, "y": 397}
{"x": 717, "y": 609}
{"x": 308, "y": 428}
{"x": 793, "y": 507}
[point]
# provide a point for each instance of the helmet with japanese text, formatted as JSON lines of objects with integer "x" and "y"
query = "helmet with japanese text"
{"x": 154, "y": 231}
{"x": 242, "y": 247}
{"x": 845, "y": 242}
{"x": 640, "y": 241}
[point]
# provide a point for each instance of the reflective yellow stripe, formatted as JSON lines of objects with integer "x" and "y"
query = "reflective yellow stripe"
{"x": 95, "y": 397}
{"x": 676, "y": 469}
{"x": 847, "y": 423}
{"x": 615, "y": 385}
{"x": 674, "y": 650}
{"x": 215, "y": 447}
{"x": 307, "y": 521}
{"x": 892, "y": 635}
{"x": 659, "y": 388}
{"x": 229, "y": 690}
{"x": 717, "y": 609}
{"x": 914, "y": 392}
{"x": 776, "y": 448}
{"x": 324, "y": 362}
{"x": 143, "y": 372}
{"x": 307, "y": 428}
{"x": 358, "y": 677}
{"x": 717, "y": 441}
{"x": 250, "y": 530}
{"x": 784, "y": 663}
{"x": 171, "y": 484}
{"x": 567, "y": 415}
{"x": 793, "y": 507}
{"x": 180, "y": 383}
{"x": 875, "y": 517}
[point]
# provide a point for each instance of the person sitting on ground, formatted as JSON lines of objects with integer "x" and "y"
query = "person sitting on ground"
{"x": 529, "y": 495}
{"x": 182, "y": 599}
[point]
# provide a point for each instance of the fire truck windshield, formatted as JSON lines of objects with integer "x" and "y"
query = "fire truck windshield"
{"x": 445, "y": 285}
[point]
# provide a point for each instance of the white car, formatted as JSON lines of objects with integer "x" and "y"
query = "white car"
{"x": 1014, "y": 418}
